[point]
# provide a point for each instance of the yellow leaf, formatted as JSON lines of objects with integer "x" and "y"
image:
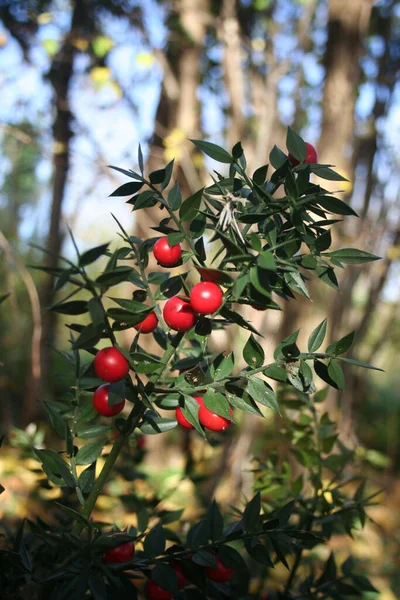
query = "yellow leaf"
{"x": 44, "y": 18}
{"x": 258, "y": 45}
{"x": 102, "y": 45}
{"x": 393, "y": 252}
{"x": 198, "y": 160}
{"x": 3, "y": 39}
{"x": 59, "y": 148}
{"x": 145, "y": 59}
{"x": 172, "y": 153}
{"x": 51, "y": 46}
{"x": 175, "y": 138}
{"x": 80, "y": 43}
{"x": 100, "y": 75}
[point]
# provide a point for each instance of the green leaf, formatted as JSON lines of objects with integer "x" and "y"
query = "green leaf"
{"x": 253, "y": 353}
{"x": 88, "y": 337}
{"x": 157, "y": 425}
{"x": 127, "y": 189}
{"x": 154, "y": 542}
{"x": 165, "y": 576}
{"x": 317, "y": 337}
{"x": 175, "y": 197}
{"x": 93, "y": 254}
{"x": 322, "y": 371}
{"x": 296, "y": 145}
{"x": 266, "y": 260}
{"x": 327, "y": 275}
{"x": 90, "y": 452}
{"x": 4, "y": 297}
{"x": 140, "y": 160}
{"x": 213, "y": 151}
{"x": 56, "y": 420}
{"x": 296, "y": 283}
{"x": 277, "y": 158}
{"x": 326, "y": 173}
{"x": 363, "y": 583}
{"x": 190, "y": 410}
{"x": 215, "y": 521}
{"x": 240, "y": 399}
{"x": 190, "y": 206}
{"x": 222, "y": 366}
{"x": 262, "y": 393}
{"x": 357, "y": 363}
{"x": 217, "y": 403}
{"x": 145, "y": 199}
{"x": 276, "y": 373}
{"x": 260, "y": 175}
{"x": 168, "y": 174}
{"x": 117, "y": 275}
{"x": 73, "y": 307}
{"x": 336, "y": 206}
{"x": 91, "y": 431}
{"x": 336, "y": 374}
{"x": 342, "y": 345}
{"x": 157, "y": 177}
{"x": 288, "y": 341}
{"x": 352, "y": 256}
{"x": 251, "y": 515}
{"x": 55, "y": 467}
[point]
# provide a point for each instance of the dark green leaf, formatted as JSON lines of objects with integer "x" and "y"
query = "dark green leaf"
{"x": 90, "y": 452}
{"x": 213, "y": 151}
{"x": 260, "y": 175}
{"x": 253, "y": 353}
{"x": 190, "y": 206}
{"x": 175, "y": 197}
{"x": 217, "y": 403}
{"x": 128, "y": 189}
{"x": 327, "y": 173}
{"x": 114, "y": 277}
{"x": 157, "y": 425}
{"x": 336, "y": 374}
{"x": 154, "y": 542}
{"x": 342, "y": 345}
{"x": 165, "y": 576}
{"x": 93, "y": 254}
{"x": 262, "y": 393}
{"x": 336, "y": 206}
{"x": 251, "y": 515}
{"x": 73, "y": 307}
{"x": 317, "y": 337}
{"x": 352, "y": 256}
{"x": 296, "y": 145}
{"x": 277, "y": 158}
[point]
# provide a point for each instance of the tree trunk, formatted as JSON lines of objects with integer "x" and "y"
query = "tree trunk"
{"x": 60, "y": 76}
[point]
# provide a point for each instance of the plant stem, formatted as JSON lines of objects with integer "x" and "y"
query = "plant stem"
{"x": 130, "y": 424}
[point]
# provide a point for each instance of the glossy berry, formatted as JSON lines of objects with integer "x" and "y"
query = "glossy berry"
{"x": 206, "y": 297}
{"x": 110, "y": 365}
{"x": 166, "y": 255}
{"x": 120, "y": 554}
{"x": 100, "y": 402}
{"x": 156, "y": 592}
{"x": 179, "y": 315}
{"x": 148, "y": 324}
{"x": 212, "y": 421}
{"x": 221, "y": 573}
{"x": 311, "y": 156}
{"x": 182, "y": 420}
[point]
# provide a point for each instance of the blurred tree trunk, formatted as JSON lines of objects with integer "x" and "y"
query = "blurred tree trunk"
{"x": 60, "y": 77}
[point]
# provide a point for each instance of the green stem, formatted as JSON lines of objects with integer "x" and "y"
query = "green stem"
{"x": 130, "y": 424}
{"x": 311, "y": 516}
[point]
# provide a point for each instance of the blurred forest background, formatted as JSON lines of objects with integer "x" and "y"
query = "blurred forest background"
{"x": 82, "y": 83}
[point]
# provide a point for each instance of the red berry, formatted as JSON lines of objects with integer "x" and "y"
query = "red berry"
{"x": 182, "y": 581}
{"x": 213, "y": 421}
{"x": 100, "y": 402}
{"x": 156, "y": 592}
{"x": 140, "y": 442}
{"x": 110, "y": 365}
{"x": 178, "y": 314}
{"x": 220, "y": 573}
{"x": 256, "y": 307}
{"x": 311, "y": 156}
{"x": 182, "y": 420}
{"x": 120, "y": 554}
{"x": 148, "y": 324}
{"x": 166, "y": 255}
{"x": 206, "y": 297}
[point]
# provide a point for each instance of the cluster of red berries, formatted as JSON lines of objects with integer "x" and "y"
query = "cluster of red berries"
{"x": 207, "y": 418}
{"x": 179, "y": 314}
{"x": 124, "y": 553}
